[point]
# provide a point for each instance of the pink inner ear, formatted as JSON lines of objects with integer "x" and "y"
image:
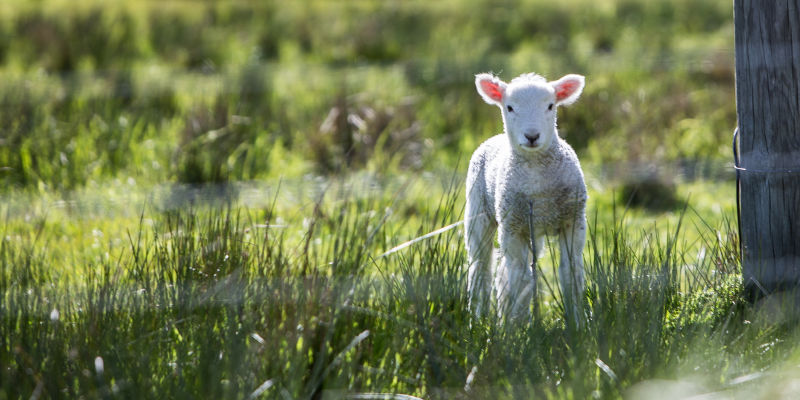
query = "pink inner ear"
{"x": 565, "y": 89}
{"x": 492, "y": 90}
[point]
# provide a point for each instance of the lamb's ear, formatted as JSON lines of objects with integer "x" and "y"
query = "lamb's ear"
{"x": 568, "y": 89}
{"x": 491, "y": 88}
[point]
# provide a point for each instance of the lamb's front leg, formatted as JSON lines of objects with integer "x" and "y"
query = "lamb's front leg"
{"x": 514, "y": 280}
{"x": 480, "y": 229}
{"x": 570, "y": 271}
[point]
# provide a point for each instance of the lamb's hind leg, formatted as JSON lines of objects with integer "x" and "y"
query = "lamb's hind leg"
{"x": 480, "y": 229}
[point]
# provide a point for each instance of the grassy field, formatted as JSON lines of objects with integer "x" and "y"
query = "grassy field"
{"x": 198, "y": 199}
{"x": 201, "y": 92}
{"x": 197, "y": 295}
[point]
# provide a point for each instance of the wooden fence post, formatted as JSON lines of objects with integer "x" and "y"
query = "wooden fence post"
{"x": 767, "y": 36}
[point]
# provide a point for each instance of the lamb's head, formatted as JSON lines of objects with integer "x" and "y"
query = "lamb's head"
{"x": 528, "y": 104}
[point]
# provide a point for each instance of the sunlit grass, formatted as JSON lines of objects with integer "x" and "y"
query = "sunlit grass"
{"x": 197, "y": 198}
{"x": 215, "y": 300}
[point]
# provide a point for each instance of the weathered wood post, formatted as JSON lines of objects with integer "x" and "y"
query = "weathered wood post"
{"x": 767, "y": 36}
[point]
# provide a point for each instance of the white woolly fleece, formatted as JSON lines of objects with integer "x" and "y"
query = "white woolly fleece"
{"x": 527, "y": 165}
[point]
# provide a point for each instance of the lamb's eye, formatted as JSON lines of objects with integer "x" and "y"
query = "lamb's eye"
{"x": 550, "y": 107}
{"x": 510, "y": 109}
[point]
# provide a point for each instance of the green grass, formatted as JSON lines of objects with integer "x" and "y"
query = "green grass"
{"x": 195, "y": 197}
{"x": 200, "y": 92}
{"x": 206, "y": 300}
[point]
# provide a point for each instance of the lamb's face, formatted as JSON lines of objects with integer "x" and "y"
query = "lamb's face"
{"x": 528, "y": 104}
{"x": 529, "y": 114}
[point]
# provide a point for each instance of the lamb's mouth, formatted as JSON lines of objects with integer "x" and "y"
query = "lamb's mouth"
{"x": 529, "y": 146}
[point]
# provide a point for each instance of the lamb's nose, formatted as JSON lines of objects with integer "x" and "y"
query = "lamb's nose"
{"x": 532, "y": 138}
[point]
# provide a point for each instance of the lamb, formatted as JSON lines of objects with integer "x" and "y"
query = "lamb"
{"x": 527, "y": 176}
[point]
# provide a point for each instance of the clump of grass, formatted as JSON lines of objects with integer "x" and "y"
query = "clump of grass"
{"x": 650, "y": 190}
{"x": 206, "y": 143}
{"x": 355, "y": 133}
{"x": 96, "y": 36}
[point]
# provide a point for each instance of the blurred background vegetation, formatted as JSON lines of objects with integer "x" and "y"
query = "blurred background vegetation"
{"x": 196, "y": 92}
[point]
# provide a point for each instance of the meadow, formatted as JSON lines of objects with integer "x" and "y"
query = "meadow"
{"x": 206, "y": 199}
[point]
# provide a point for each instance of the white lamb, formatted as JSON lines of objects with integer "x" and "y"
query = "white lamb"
{"x": 527, "y": 171}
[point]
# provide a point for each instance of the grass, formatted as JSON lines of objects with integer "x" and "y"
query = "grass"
{"x": 197, "y": 197}
{"x": 226, "y": 91}
{"x": 229, "y": 300}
